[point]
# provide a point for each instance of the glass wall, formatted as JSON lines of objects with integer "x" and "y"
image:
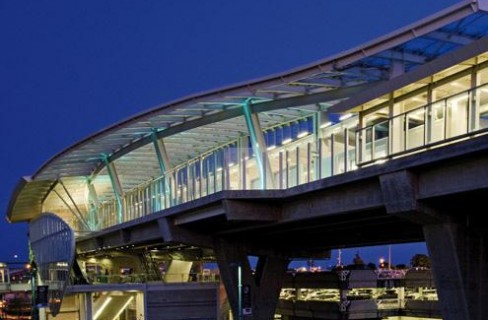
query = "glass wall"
{"x": 300, "y": 152}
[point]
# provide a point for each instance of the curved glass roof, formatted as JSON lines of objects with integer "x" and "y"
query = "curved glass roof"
{"x": 200, "y": 123}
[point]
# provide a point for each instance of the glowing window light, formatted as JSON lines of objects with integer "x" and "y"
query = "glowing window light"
{"x": 270, "y": 139}
{"x": 380, "y": 161}
{"x": 294, "y": 130}
{"x": 286, "y": 134}
{"x": 102, "y": 307}
{"x": 345, "y": 116}
{"x": 123, "y": 308}
{"x": 303, "y": 130}
{"x": 325, "y": 125}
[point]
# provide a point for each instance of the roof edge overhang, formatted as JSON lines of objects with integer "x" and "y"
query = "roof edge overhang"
{"x": 482, "y": 4}
{"x": 27, "y": 197}
{"x": 19, "y": 187}
{"x": 337, "y": 94}
{"x": 417, "y": 29}
{"x": 458, "y": 56}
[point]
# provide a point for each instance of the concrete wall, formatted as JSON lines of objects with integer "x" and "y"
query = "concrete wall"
{"x": 70, "y": 309}
{"x": 185, "y": 302}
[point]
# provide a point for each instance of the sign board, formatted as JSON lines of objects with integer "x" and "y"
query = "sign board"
{"x": 246, "y": 300}
{"x": 41, "y": 296}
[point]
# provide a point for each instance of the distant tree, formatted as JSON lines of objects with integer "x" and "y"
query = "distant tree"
{"x": 420, "y": 261}
{"x": 371, "y": 266}
{"x": 357, "y": 260}
{"x": 401, "y": 266}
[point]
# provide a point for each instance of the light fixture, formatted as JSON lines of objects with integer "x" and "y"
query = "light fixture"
{"x": 270, "y": 139}
{"x": 345, "y": 116}
{"x": 102, "y": 307}
{"x": 123, "y": 308}
{"x": 286, "y": 134}
{"x": 303, "y": 129}
{"x": 326, "y": 124}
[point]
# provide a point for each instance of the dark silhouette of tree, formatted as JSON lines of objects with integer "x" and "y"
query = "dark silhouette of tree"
{"x": 371, "y": 266}
{"x": 420, "y": 261}
{"x": 357, "y": 263}
{"x": 357, "y": 260}
{"x": 401, "y": 266}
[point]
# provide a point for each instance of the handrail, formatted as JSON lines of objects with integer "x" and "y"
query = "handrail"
{"x": 310, "y": 158}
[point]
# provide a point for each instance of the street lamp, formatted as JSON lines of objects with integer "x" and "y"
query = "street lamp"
{"x": 239, "y": 289}
{"x": 33, "y": 271}
{"x": 382, "y": 263}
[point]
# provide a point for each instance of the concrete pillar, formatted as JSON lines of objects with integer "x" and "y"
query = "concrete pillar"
{"x": 42, "y": 314}
{"x": 459, "y": 261}
{"x": 457, "y": 249}
{"x": 265, "y": 283}
{"x": 140, "y": 305}
{"x": 88, "y": 306}
{"x": 401, "y": 297}
{"x": 399, "y": 190}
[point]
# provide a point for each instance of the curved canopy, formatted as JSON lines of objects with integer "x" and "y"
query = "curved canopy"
{"x": 200, "y": 123}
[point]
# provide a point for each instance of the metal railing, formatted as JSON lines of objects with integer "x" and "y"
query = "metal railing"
{"x": 332, "y": 151}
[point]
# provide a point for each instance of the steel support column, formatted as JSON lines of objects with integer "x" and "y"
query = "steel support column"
{"x": 116, "y": 185}
{"x": 258, "y": 145}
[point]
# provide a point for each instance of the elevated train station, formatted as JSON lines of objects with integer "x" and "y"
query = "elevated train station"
{"x": 384, "y": 143}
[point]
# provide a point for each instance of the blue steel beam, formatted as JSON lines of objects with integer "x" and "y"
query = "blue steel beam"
{"x": 117, "y": 187}
{"x": 92, "y": 205}
{"x": 258, "y": 145}
{"x": 161, "y": 153}
{"x": 164, "y": 164}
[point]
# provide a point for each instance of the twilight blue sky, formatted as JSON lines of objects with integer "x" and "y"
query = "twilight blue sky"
{"x": 71, "y": 68}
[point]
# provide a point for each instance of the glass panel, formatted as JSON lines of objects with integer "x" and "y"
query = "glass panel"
{"x": 413, "y": 103}
{"x": 351, "y": 149}
{"x": 437, "y": 121}
{"x": 219, "y": 170}
{"x": 234, "y": 170}
{"x": 380, "y": 135}
{"x": 326, "y": 157}
{"x": 254, "y": 180}
{"x": 339, "y": 155}
{"x": 452, "y": 88}
{"x": 366, "y": 138}
{"x": 457, "y": 115}
{"x": 292, "y": 167}
{"x": 415, "y": 128}
{"x": 274, "y": 157}
{"x": 303, "y": 153}
{"x": 483, "y": 107}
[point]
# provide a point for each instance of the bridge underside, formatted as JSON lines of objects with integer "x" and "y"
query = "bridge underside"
{"x": 429, "y": 196}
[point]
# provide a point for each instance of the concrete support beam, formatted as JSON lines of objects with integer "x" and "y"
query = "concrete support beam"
{"x": 400, "y": 190}
{"x": 88, "y": 306}
{"x": 265, "y": 284}
{"x": 459, "y": 260}
{"x": 173, "y": 233}
{"x": 269, "y": 277}
{"x": 251, "y": 210}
